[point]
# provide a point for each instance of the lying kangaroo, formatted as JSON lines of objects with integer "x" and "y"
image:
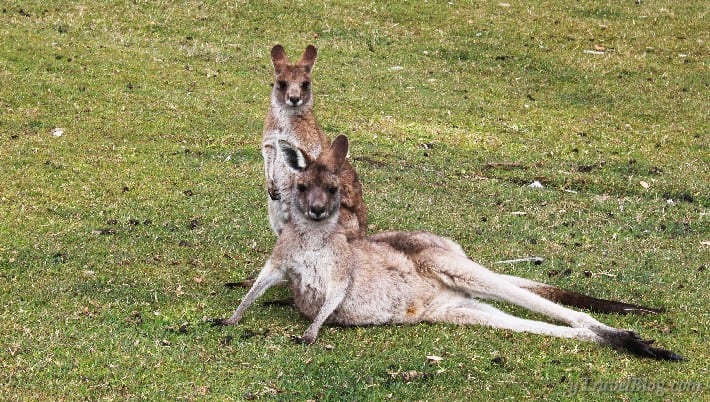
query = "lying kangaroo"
{"x": 291, "y": 119}
{"x": 406, "y": 277}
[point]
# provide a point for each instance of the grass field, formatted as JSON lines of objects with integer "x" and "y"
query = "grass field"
{"x": 131, "y": 190}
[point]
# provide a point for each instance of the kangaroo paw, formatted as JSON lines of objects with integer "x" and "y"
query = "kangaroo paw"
{"x": 274, "y": 194}
{"x": 218, "y": 322}
{"x": 630, "y": 342}
{"x": 302, "y": 340}
{"x": 297, "y": 340}
{"x": 246, "y": 283}
{"x": 280, "y": 302}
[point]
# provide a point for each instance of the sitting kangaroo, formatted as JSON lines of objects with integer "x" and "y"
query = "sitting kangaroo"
{"x": 290, "y": 118}
{"x": 406, "y": 277}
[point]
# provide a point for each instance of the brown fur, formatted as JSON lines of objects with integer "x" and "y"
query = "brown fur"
{"x": 590, "y": 303}
{"x": 291, "y": 118}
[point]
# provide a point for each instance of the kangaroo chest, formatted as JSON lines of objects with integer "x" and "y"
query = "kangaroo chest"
{"x": 310, "y": 274}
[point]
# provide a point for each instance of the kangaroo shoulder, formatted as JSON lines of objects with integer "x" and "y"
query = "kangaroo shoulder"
{"x": 272, "y": 129}
{"x": 307, "y": 131}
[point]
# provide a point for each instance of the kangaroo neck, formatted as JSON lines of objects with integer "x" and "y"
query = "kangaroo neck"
{"x": 314, "y": 232}
{"x": 292, "y": 119}
{"x": 287, "y": 116}
{"x": 299, "y": 127}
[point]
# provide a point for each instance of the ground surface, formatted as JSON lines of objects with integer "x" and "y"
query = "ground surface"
{"x": 118, "y": 231}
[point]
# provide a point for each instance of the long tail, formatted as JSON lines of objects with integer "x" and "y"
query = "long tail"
{"x": 574, "y": 299}
{"x": 590, "y": 303}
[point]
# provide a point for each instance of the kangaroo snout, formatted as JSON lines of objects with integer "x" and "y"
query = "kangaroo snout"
{"x": 317, "y": 212}
{"x": 317, "y": 205}
{"x": 293, "y": 100}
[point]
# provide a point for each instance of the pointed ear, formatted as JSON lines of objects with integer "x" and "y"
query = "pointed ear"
{"x": 295, "y": 158}
{"x": 278, "y": 58}
{"x": 308, "y": 60}
{"x": 339, "y": 150}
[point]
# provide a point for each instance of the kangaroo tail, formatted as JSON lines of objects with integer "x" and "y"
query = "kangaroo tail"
{"x": 570, "y": 298}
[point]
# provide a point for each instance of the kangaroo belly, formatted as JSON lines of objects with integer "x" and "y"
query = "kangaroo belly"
{"x": 386, "y": 288}
{"x": 403, "y": 302}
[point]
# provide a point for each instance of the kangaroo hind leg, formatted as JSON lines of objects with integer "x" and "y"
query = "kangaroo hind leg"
{"x": 465, "y": 311}
{"x": 471, "y": 278}
{"x": 464, "y": 275}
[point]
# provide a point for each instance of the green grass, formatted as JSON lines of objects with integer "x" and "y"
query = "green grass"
{"x": 117, "y": 237}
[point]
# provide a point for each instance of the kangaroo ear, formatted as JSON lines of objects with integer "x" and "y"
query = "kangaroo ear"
{"x": 339, "y": 150}
{"x": 278, "y": 58}
{"x": 296, "y": 159}
{"x": 309, "y": 58}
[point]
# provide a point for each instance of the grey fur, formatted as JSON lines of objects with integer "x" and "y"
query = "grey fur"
{"x": 400, "y": 277}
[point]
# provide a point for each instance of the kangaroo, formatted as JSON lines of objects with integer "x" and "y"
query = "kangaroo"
{"x": 407, "y": 277}
{"x": 290, "y": 118}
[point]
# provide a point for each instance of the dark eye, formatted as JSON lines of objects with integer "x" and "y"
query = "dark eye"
{"x": 305, "y": 85}
{"x": 332, "y": 190}
{"x": 282, "y": 84}
{"x": 302, "y": 187}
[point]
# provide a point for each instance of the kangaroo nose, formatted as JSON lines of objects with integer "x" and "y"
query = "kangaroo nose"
{"x": 317, "y": 211}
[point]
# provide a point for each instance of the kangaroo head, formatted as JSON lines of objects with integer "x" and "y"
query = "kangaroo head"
{"x": 316, "y": 190}
{"x": 292, "y": 82}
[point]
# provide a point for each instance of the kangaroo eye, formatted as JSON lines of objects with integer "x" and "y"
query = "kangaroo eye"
{"x": 302, "y": 187}
{"x": 282, "y": 84}
{"x": 332, "y": 190}
{"x": 305, "y": 85}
